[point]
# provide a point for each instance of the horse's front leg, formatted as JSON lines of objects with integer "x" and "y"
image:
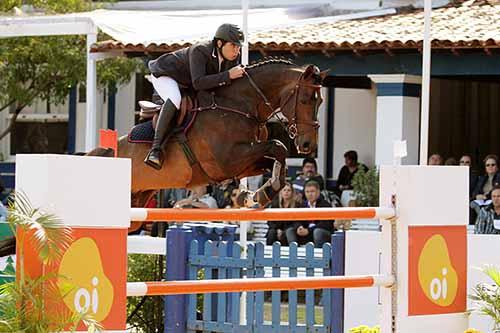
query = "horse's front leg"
{"x": 273, "y": 158}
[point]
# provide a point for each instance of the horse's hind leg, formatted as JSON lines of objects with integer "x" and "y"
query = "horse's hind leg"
{"x": 140, "y": 199}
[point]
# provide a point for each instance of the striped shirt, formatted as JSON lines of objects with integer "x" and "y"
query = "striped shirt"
{"x": 485, "y": 221}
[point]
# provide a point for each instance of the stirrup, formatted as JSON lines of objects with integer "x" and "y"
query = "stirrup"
{"x": 153, "y": 164}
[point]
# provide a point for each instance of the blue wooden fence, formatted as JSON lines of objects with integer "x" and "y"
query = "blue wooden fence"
{"x": 220, "y": 312}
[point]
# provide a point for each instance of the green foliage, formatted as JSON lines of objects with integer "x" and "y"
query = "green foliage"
{"x": 24, "y": 302}
{"x": 365, "y": 329}
{"x": 50, "y": 6}
{"x": 145, "y": 314}
{"x": 48, "y": 67}
{"x": 486, "y": 296}
{"x": 366, "y": 187}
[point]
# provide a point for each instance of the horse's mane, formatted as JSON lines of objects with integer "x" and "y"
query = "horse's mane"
{"x": 270, "y": 61}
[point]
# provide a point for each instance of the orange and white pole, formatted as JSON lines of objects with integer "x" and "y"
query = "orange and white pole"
{"x": 258, "y": 284}
{"x": 274, "y": 214}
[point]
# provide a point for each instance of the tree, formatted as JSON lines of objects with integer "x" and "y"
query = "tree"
{"x": 48, "y": 68}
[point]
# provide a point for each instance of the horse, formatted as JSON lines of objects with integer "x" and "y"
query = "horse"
{"x": 228, "y": 138}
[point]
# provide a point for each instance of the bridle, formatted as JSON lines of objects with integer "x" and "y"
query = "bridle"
{"x": 291, "y": 128}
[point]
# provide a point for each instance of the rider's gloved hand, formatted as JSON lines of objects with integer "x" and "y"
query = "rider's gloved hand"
{"x": 236, "y": 72}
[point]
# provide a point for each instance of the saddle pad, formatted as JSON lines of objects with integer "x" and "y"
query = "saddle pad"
{"x": 142, "y": 133}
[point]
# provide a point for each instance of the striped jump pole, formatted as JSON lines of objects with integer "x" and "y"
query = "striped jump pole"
{"x": 257, "y": 284}
{"x": 269, "y": 214}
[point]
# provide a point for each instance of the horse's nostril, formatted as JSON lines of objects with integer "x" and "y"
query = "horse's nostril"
{"x": 306, "y": 145}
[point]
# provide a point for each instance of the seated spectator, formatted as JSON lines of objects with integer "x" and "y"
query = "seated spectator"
{"x": 309, "y": 172}
{"x": 321, "y": 230}
{"x": 451, "y": 161}
{"x": 198, "y": 198}
{"x": 222, "y": 192}
{"x": 348, "y": 171}
{"x": 488, "y": 220}
{"x": 234, "y": 204}
{"x": 435, "y": 159}
{"x": 466, "y": 160}
{"x": 486, "y": 182}
{"x": 276, "y": 231}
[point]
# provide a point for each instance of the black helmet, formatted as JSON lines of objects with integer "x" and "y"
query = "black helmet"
{"x": 230, "y": 33}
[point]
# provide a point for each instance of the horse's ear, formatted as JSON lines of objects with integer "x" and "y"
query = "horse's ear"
{"x": 311, "y": 71}
{"x": 324, "y": 74}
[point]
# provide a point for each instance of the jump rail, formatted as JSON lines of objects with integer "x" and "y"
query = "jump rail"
{"x": 257, "y": 284}
{"x": 273, "y": 214}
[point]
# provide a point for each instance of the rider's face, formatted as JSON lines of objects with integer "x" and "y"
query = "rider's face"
{"x": 230, "y": 51}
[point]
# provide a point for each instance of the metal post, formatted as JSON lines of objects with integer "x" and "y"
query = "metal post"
{"x": 91, "y": 115}
{"x": 426, "y": 80}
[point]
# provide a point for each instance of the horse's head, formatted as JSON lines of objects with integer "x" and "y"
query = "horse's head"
{"x": 300, "y": 106}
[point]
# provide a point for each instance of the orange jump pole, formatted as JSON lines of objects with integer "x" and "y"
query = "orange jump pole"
{"x": 258, "y": 284}
{"x": 274, "y": 214}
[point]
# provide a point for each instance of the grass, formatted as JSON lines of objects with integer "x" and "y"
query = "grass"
{"x": 301, "y": 313}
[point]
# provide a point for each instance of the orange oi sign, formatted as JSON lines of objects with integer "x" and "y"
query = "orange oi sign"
{"x": 90, "y": 277}
{"x": 437, "y": 270}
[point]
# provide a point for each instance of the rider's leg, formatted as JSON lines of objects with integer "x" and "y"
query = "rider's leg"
{"x": 169, "y": 91}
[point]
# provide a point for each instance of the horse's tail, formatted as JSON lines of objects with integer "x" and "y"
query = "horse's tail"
{"x": 103, "y": 152}
{"x": 8, "y": 246}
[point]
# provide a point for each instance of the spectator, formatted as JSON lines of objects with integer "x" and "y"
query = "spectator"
{"x": 222, "y": 193}
{"x": 309, "y": 172}
{"x": 435, "y": 159}
{"x": 276, "y": 231}
{"x": 234, "y": 204}
{"x": 198, "y": 198}
{"x": 451, "y": 161}
{"x": 348, "y": 171}
{"x": 488, "y": 220}
{"x": 321, "y": 230}
{"x": 490, "y": 179}
{"x": 466, "y": 160}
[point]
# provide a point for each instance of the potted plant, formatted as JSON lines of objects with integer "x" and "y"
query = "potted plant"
{"x": 366, "y": 187}
{"x": 486, "y": 296}
{"x": 23, "y": 305}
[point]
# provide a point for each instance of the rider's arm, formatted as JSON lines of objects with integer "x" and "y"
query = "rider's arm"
{"x": 202, "y": 81}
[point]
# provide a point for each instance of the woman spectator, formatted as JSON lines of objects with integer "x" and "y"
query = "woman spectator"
{"x": 490, "y": 179}
{"x": 234, "y": 204}
{"x": 276, "y": 231}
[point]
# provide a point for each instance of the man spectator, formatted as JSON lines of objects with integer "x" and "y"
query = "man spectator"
{"x": 488, "y": 220}
{"x": 435, "y": 159}
{"x": 309, "y": 172}
{"x": 321, "y": 230}
{"x": 466, "y": 160}
{"x": 198, "y": 198}
{"x": 348, "y": 171}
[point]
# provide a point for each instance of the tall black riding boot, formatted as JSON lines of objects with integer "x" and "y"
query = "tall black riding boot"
{"x": 163, "y": 129}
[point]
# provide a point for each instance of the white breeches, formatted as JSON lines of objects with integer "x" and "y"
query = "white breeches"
{"x": 167, "y": 88}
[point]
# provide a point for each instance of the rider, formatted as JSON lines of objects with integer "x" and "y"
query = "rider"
{"x": 200, "y": 67}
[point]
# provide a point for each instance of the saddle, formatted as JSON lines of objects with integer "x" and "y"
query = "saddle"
{"x": 150, "y": 110}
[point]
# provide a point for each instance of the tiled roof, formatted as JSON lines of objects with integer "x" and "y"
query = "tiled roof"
{"x": 461, "y": 27}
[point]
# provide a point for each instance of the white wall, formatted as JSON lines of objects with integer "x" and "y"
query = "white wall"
{"x": 354, "y": 126}
{"x": 125, "y": 100}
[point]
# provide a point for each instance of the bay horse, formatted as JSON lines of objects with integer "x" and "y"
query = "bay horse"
{"x": 229, "y": 137}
